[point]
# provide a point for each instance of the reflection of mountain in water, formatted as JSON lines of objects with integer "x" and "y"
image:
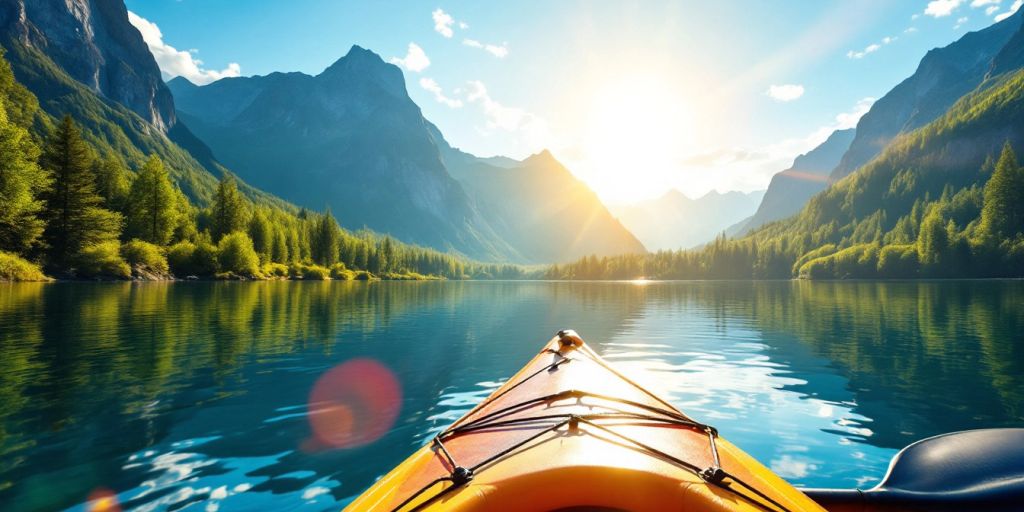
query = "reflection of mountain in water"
{"x": 93, "y": 372}
{"x": 213, "y": 378}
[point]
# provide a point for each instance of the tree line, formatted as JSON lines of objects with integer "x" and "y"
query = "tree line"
{"x": 72, "y": 213}
{"x": 973, "y": 231}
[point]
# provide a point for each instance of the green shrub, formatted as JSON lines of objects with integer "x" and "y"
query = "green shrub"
{"x": 192, "y": 259}
{"x": 338, "y": 271}
{"x": 316, "y": 272}
{"x": 824, "y": 250}
{"x": 204, "y": 259}
{"x": 179, "y": 257}
{"x": 15, "y": 268}
{"x": 275, "y": 270}
{"x": 898, "y": 261}
{"x": 364, "y": 275}
{"x": 236, "y": 255}
{"x": 102, "y": 260}
{"x": 144, "y": 254}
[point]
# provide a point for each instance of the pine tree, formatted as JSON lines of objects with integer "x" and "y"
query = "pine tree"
{"x": 112, "y": 183}
{"x": 324, "y": 240}
{"x": 21, "y": 180}
{"x": 152, "y": 208}
{"x": 228, "y": 212}
{"x": 74, "y": 217}
{"x": 1002, "y": 215}
{"x": 262, "y": 234}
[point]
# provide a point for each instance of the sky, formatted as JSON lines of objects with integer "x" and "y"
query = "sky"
{"x": 635, "y": 98}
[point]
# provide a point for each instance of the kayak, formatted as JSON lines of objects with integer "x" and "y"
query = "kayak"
{"x": 570, "y": 432}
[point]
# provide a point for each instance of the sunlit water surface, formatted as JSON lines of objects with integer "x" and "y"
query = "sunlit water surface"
{"x": 197, "y": 395}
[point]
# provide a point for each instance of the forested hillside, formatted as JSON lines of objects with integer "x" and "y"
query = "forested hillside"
{"x": 946, "y": 200}
{"x": 74, "y": 207}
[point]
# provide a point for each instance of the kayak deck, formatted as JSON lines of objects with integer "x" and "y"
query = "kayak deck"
{"x": 570, "y": 431}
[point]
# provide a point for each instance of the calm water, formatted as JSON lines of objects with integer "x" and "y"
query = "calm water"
{"x": 196, "y": 394}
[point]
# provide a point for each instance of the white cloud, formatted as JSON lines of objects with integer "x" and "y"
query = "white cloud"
{"x": 887, "y": 40}
{"x": 415, "y": 59}
{"x": 1010, "y": 12}
{"x": 430, "y": 85}
{"x": 960, "y": 22}
{"x": 174, "y": 62}
{"x": 941, "y": 8}
{"x": 910, "y": 30}
{"x": 981, "y": 3}
{"x": 871, "y": 48}
{"x": 510, "y": 119}
{"x": 991, "y": 9}
{"x": 849, "y": 119}
{"x": 443, "y": 23}
{"x": 463, "y": 25}
{"x": 785, "y": 92}
{"x": 498, "y": 51}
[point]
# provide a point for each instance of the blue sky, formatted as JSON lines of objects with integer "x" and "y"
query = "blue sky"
{"x": 635, "y": 97}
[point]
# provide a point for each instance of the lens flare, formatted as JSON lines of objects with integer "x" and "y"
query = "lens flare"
{"x": 354, "y": 404}
{"x": 102, "y": 500}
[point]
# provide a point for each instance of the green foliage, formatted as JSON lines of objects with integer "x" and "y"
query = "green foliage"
{"x": 102, "y": 259}
{"x": 21, "y": 181}
{"x": 235, "y": 254}
{"x": 15, "y": 268}
{"x": 277, "y": 270}
{"x": 74, "y": 216}
{"x": 262, "y": 234}
{"x": 339, "y": 271}
{"x": 228, "y": 213}
{"x": 112, "y": 183}
{"x": 316, "y": 272}
{"x": 1003, "y": 214}
{"x": 152, "y": 208}
{"x": 898, "y": 261}
{"x": 144, "y": 255}
{"x": 324, "y": 240}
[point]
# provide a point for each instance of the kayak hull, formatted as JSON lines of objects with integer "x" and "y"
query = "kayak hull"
{"x": 570, "y": 431}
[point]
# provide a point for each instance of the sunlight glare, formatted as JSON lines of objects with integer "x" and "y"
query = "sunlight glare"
{"x": 637, "y": 132}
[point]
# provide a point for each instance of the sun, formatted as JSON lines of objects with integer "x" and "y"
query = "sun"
{"x": 637, "y": 132}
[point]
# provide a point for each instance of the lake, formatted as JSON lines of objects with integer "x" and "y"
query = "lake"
{"x": 177, "y": 394}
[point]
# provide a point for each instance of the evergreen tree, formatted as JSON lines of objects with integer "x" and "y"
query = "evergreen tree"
{"x": 324, "y": 240}
{"x": 152, "y": 209}
{"x": 1002, "y": 215}
{"x": 933, "y": 240}
{"x": 262, "y": 234}
{"x": 112, "y": 183}
{"x": 228, "y": 210}
{"x": 21, "y": 180}
{"x": 74, "y": 217}
{"x": 279, "y": 250}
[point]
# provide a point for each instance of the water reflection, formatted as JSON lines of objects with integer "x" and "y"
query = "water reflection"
{"x": 170, "y": 394}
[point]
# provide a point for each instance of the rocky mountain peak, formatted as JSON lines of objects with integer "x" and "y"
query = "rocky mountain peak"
{"x": 93, "y": 41}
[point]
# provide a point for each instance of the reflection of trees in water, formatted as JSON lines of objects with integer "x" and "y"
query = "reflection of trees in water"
{"x": 94, "y": 371}
{"x": 949, "y": 354}
{"x": 920, "y": 358}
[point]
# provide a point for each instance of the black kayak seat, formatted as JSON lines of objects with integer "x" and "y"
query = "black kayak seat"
{"x": 977, "y": 470}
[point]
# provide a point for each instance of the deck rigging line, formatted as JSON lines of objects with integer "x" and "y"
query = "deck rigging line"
{"x": 460, "y": 475}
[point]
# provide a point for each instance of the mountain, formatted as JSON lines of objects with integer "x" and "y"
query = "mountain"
{"x": 85, "y": 59}
{"x": 943, "y": 77}
{"x": 352, "y": 139}
{"x": 349, "y": 138}
{"x": 93, "y": 43}
{"x": 675, "y": 221}
{"x": 539, "y": 207}
{"x": 790, "y": 190}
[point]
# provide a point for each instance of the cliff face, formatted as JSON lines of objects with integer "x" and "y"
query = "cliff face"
{"x": 943, "y": 77}
{"x": 94, "y": 43}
